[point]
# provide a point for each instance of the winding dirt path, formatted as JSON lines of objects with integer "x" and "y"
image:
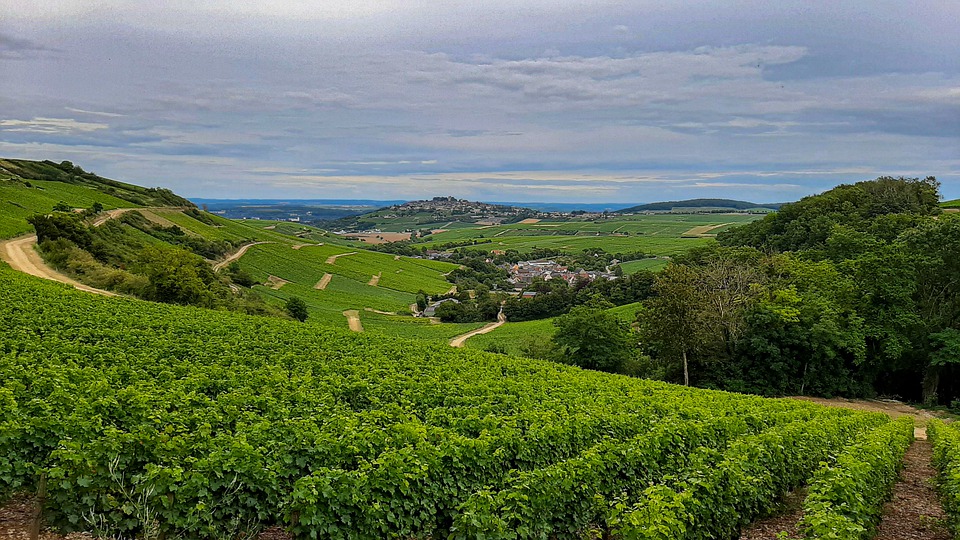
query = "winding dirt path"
{"x": 333, "y": 258}
{"x": 461, "y": 340}
{"x": 21, "y": 255}
{"x": 353, "y": 320}
{"x": 239, "y": 253}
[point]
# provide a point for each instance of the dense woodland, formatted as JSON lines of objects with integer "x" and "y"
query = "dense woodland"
{"x": 852, "y": 292}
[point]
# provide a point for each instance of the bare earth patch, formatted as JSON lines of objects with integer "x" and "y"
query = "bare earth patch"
{"x": 353, "y": 320}
{"x": 893, "y": 408}
{"x": 785, "y": 519}
{"x": 701, "y": 231}
{"x": 381, "y": 237}
{"x": 324, "y": 281}
{"x": 275, "y": 282}
{"x": 21, "y": 255}
{"x": 913, "y": 513}
{"x": 374, "y": 280}
{"x": 301, "y": 246}
{"x": 243, "y": 249}
{"x": 460, "y": 340}
{"x": 528, "y": 221}
{"x": 371, "y": 310}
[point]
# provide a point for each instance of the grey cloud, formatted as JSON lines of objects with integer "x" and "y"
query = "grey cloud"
{"x": 12, "y": 48}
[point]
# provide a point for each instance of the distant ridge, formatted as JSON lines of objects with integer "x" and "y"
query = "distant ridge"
{"x": 712, "y": 204}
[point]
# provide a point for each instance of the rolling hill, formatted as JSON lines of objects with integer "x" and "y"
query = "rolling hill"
{"x": 692, "y": 205}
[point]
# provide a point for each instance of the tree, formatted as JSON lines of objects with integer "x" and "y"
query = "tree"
{"x": 61, "y": 225}
{"x": 62, "y": 206}
{"x": 297, "y": 308}
{"x": 672, "y": 320}
{"x": 593, "y": 338}
{"x": 178, "y": 276}
{"x": 96, "y": 208}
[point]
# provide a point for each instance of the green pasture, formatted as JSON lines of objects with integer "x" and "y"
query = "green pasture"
{"x": 632, "y": 267}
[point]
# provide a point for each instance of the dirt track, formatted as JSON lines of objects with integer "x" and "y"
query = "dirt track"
{"x": 20, "y": 254}
{"x": 243, "y": 249}
{"x": 353, "y": 320}
{"x": 324, "y": 281}
{"x": 460, "y": 340}
{"x": 333, "y": 258}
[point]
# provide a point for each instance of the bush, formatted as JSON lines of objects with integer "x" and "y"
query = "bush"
{"x": 297, "y": 308}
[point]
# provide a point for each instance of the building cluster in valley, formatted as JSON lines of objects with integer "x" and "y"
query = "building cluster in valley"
{"x": 524, "y": 272}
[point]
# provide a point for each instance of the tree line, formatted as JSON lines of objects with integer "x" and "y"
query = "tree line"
{"x": 853, "y": 292}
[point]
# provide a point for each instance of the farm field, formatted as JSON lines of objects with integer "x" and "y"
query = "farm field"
{"x": 205, "y": 424}
{"x": 657, "y": 234}
{"x": 289, "y": 261}
{"x": 653, "y": 265}
{"x": 308, "y": 264}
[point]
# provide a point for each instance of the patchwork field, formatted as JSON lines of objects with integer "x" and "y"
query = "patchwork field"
{"x": 657, "y": 234}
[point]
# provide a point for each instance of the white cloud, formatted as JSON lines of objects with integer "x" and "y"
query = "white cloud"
{"x": 50, "y": 125}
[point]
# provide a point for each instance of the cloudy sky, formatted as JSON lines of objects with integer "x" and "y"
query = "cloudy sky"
{"x": 532, "y": 100}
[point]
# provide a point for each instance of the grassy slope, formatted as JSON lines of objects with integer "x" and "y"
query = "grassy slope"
{"x": 951, "y": 204}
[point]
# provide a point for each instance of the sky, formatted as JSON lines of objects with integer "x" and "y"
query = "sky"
{"x": 533, "y": 100}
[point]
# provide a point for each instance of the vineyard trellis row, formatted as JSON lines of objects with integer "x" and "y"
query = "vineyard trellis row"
{"x": 206, "y": 424}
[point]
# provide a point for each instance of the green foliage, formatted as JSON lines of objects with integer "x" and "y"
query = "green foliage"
{"x": 59, "y": 225}
{"x": 592, "y": 338}
{"x": 296, "y": 308}
{"x": 68, "y": 173}
{"x": 845, "y": 500}
{"x": 808, "y": 223}
{"x": 209, "y": 424}
{"x": 178, "y": 277}
{"x": 946, "y": 458}
{"x": 721, "y": 491}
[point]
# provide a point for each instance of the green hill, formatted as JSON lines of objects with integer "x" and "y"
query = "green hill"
{"x": 699, "y": 205}
{"x": 31, "y": 187}
{"x": 951, "y": 204}
{"x": 163, "y": 249}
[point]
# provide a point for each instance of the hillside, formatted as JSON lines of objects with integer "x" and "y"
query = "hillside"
{"x": 951, "y": 204}
{"x": 206, "y": 424}
{"x": 31, "y": 187}
{"x": 693, "y": 205}
{"x": 183, "y": 255}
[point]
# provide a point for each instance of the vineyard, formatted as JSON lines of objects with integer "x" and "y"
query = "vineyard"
{"x": 149, "y": 419}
